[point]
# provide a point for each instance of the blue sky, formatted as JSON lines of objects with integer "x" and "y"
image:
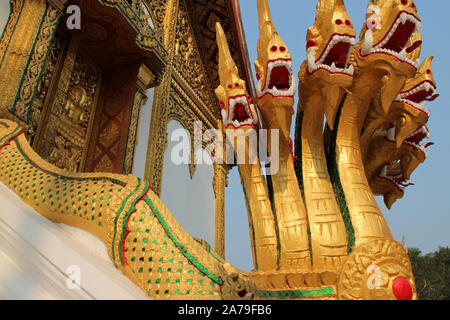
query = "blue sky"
{"x": 423, "y": 215}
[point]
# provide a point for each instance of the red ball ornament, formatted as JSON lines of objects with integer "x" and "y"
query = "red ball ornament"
{"x": 402, "y": 289}
{"x": 258, "y": 75}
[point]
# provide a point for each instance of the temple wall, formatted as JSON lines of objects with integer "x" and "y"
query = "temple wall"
{"x": 38, "y": 258}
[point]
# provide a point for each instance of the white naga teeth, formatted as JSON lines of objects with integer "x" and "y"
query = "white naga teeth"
{"x": 403, "y": 18}
{"x": 427, "y": 87}
{"x": 421, "y": 130}
{"x": 368, "y": 46}
{"x": 311, "y": 54}
{"x": 351, "y": 69}
{"x": 384, "y": 174}
{"x": 418, "y": 27}
{"x": 251, "y": 111}
{"x": 333, "y": 68}
{"x": 274, "y": 91}
{"x": 314, "y": 65}
{"x": 368, "y": 43}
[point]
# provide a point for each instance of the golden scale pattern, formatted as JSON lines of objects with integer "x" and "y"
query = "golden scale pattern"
{"x": 158, "y": 255}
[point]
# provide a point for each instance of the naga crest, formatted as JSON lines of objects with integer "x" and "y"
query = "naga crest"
{"x": 237, "y": 110}
{"x": 274, "y": 63}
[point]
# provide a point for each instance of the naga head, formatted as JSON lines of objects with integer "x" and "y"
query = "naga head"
{"x": 391, "y": 179}
{"x": 385, "y": 45}
{"x": 388, "y": 29}
{"x": 413, "y": 151}
{"x": 276, "y": 82}
{"x": 329, "y": 43}
{"x": 389, "y": 183}
{"x": 409, "y": 104}
{"x": 238, "y": 111}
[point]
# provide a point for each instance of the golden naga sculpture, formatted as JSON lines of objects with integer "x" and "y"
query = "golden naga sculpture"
{"x": 275, "y": 97}
{"x": 316, "y": 230}
{"x": 395, "y": 149}
{"x": 323, "y": 78}
{"x": 240, "y": 119}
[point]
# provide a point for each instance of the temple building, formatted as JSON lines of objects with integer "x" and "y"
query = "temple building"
{"x": 100, "y": 86}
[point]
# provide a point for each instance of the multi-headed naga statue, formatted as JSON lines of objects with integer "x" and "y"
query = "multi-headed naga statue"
{"x": 316, "y": 230}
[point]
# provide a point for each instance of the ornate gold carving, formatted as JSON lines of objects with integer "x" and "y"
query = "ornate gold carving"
{"x": 22, "y": 106}
{"x": 137, "y": 14}
{"x": 372, "y": 269}
{"x": 70, "y": 140}
{"x": 16, "y": 10}
{"x": 17, "y": 40}
{"x": 42, "y": 100}
{"x": 74, "y": 119}
{"x": 237, "y": 286}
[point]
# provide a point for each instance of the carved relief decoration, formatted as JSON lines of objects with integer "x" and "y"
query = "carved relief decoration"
{"x": 31, "y": 79}
{"x": 72, "y": 114}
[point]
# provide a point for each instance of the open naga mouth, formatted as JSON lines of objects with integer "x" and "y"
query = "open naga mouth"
{"x": 335, "y": 58}
{"x": 425, "y": 91}
{"x": 393, "y": 173}
{"x": 240, "y": 114}
{"x": 396, "y": 40}
{"x": 416, "y": 138}
{"x": 280, "y": 81}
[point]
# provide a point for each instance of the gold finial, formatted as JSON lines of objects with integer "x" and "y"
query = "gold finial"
{"x": 227, "y": 67}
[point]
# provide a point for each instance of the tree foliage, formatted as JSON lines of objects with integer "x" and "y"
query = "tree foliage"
{"x": 432, "y": 273}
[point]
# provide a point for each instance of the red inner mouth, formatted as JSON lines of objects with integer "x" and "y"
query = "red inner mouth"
{"x": 338, "y": 54}
{"x": 280, "y": 78}
{"x": 422, "y": 95}
{"x": 417, "y": 138}
{"x": 401, "y": 36}
{"x": 396, "y": 175}
{"x": 240, "y": 113}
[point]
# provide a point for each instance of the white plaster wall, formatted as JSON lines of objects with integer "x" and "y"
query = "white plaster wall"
{"x": 143, "y": 134}
{"x": 36, "y": 256}
{"x": 192, "y": 202}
